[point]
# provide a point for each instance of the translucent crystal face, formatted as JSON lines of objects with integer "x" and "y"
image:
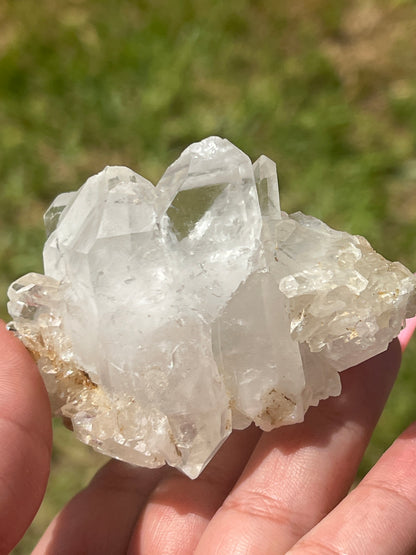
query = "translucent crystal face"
{"x": 169, "y": 315}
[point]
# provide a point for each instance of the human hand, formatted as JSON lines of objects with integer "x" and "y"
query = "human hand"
{"x": 262, "y": 493}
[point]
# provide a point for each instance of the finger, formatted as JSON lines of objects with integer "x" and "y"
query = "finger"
{"x": 25, "y": 439}
{"x": 179, "y": 509}
{"x": 407, "y": 332}
{"x": 379, "y": 515}
{"x": 101, "y": 518}
{"x": 297, "y": 474}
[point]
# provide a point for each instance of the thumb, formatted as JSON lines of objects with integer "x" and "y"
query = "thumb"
{"x": 25, "y": 439}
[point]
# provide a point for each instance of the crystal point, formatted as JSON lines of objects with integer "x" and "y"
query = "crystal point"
{"x": 267, "y": 186}
{"x": 169, "y": 315}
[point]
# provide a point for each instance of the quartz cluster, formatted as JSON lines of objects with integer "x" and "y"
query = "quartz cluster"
{"x": 169, "y": 315}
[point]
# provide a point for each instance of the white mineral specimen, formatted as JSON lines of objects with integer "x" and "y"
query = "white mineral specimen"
{"x": 169, "y": 315}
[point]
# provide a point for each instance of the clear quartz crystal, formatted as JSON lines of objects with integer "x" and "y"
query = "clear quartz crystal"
{"x": 169, "y": 315}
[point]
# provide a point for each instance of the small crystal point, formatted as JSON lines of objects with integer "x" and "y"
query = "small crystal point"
{"x": 55, "y": 210}
{"x": 267, "y": 186}
{"x": 169, "y": 315}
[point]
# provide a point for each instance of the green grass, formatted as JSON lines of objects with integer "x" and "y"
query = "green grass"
{"x": 327, "y": 89}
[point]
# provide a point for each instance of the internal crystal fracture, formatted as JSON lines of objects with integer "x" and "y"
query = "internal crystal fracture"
{"x": 169, "y": 315}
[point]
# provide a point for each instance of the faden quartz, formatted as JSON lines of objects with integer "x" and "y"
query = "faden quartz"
{"x": 169, "y": 315}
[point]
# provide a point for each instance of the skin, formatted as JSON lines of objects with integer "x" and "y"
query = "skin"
{"x": 284, "y": 491}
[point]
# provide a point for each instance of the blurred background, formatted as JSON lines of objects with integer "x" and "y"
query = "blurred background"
{"x": 326, "y": 89}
